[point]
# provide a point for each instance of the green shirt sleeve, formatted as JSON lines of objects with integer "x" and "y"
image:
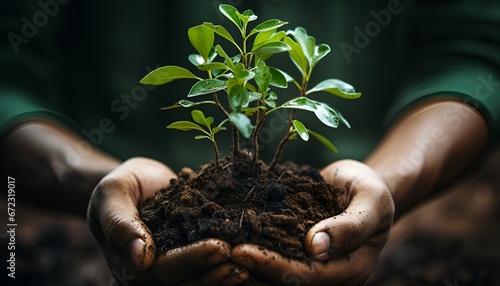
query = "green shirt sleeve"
{"x": 457, "y": 54}
{"x": 17, "y": 106}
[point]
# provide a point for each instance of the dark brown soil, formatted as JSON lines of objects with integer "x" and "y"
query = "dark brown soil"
{"x": 241, "y": 203}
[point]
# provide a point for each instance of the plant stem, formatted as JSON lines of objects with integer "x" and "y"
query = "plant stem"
{"x": 219, "y": 105}
{"x": 236, "y": 135}
{"x": 216, "y": 155}
{"x": 279, "y": 150}
{"x": 283, "y": 141}
{"x": 286, "y": 138}
{"x": 255, "y": 136}
{"x": 236, "y": 139}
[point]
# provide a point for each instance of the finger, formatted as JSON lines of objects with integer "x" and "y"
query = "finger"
{"x": 121, "y": 226}
{"x": 113, "y": 209}
{"x": 368, "y": 213}
{"x": 185, "y": 263}
{"x": 278, "y": 270}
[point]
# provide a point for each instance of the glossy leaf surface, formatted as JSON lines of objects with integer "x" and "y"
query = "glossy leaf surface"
{"x": 186, "y": 126}
{"x": 166, "y": 74}
{"x": 199, "y": 117}
{"x": 301, "y": 130}
{"x": 231, "y": 13}
{"x": 272, "y": 48}
{"x": 186, "y": 103}
{"x": 336, "y": 87}
{"x": 202, "y": 39}
{"x": 207, "y": 86}
{"x": 242, "y": 123}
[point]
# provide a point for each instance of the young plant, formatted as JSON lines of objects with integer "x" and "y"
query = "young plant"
{"x": 248, "y": 81}
{"x": 200, "y": 119}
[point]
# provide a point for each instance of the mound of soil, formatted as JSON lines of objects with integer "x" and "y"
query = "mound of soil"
{"x": 241, "y": 203}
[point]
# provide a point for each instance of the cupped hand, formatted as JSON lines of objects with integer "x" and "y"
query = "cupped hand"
{"x": 343, "y": 248}
{"x": 127, "y": 244}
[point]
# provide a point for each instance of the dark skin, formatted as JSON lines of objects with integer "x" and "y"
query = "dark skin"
{"x": 381, "y": 190}
{"x": 54, "y": 169}
{"x": 344, "y": 247}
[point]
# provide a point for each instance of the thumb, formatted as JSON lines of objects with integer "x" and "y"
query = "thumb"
{"x": 368, "y": 214}
{"x": 113, "y": 215}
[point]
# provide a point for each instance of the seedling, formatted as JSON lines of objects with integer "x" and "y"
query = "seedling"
{"x": 249, "y": 82}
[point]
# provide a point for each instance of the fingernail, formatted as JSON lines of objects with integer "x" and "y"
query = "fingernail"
{"x": 320, "y": 246}
{"x": 136, "y": 252}
{"x": 244, "y": 261}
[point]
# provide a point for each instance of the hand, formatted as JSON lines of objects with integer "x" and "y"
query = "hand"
{"x": 345, "y": 247}
{"x": 127, "y": 244}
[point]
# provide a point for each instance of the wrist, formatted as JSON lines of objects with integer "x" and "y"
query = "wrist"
{"x": 53, "y": 166}
{"x": 422, "y": 151}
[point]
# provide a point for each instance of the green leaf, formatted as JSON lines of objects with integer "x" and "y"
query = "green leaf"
{"x": 320, "y": 52}
{"x": 297, "y": 55}
{"x": 246, "y": 16}
{"x": 306, "y": 42}
{"x": 200, "y": 118}
{"x": 271, "y": 103}
{"x": 248, "y": 111}
{"x": 326, "y": 114}
{"x": 212, "y": 66}
{"x": 262, "y": 76}
{"x": 231, "y": 13}
{"x": 218, "y": 129}
{"x": 207, "y": 86}
{"x": 253, "y": 96}
{"x": 343, "y": 120}
{"x": 222, "y": 53}
{"x": 266, "y": 37}
{"x": 196, "y": 59}
{"x": 242, "y": 123}
{"x": 198, "y": 137}
{"x": 167, "y": 74}
{"x": 278, "y": 79}
{"x": 272, "y": 48}
{"x": 262, "y": 37}
{"x": 336, "y": 87}
{"x": 238, "y": 98}
{"x": 220, "y": 30}
{"x": 268, "y": 25}
{"x": 272, "y": 96}
{"x": 323, "y": 140}
{"x": 302, "y": 103}
{"x": 202, "y": 39}
{"x": 301, "y": 130}
{"x": 186, "y": 126}
{"x": 323, "y": 112}
{"x": 242, "y": 74}
{"x": 186, "y": 103}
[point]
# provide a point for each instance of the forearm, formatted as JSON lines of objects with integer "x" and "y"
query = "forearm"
{"x": 53, "y": 167}
{"x": 427, "y": 148}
